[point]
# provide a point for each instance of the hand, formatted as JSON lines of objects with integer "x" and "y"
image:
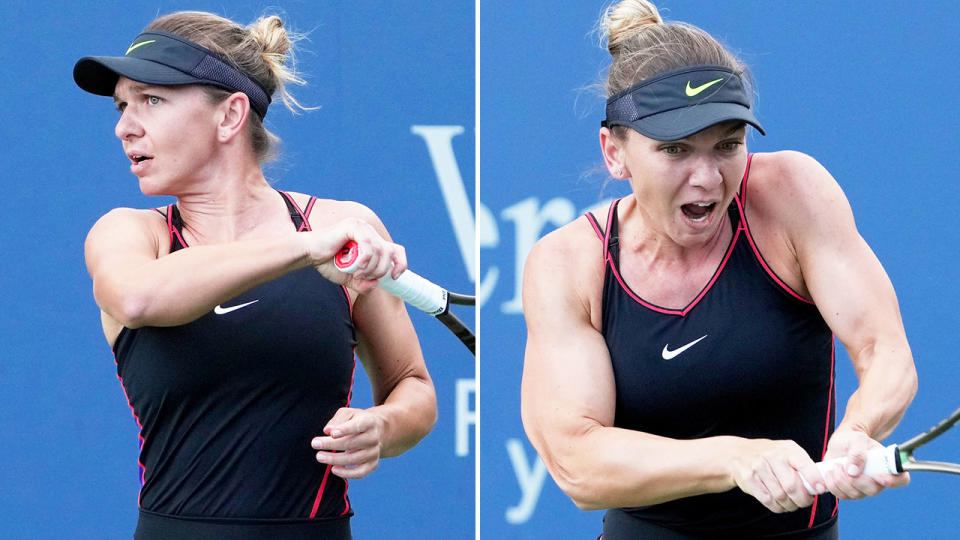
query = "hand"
{"x": 846, "y": 479}
{"x": 769, "y": 471}
{"x": 351, "y": 444}
{"x": 376, "y": 257}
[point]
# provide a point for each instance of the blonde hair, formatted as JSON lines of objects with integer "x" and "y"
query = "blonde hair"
{"x": 643, "y": 45}
{"x": 263, "y": 51}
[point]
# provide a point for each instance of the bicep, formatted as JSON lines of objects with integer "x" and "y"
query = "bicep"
{"x": 568, "y": 386}
{"x": 117, "y": 244}
{"x": 387, "y": 343}
{"x": 844, "y": 276}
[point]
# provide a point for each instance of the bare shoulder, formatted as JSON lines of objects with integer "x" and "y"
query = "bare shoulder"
{"x": 327, "y": 212}
{"x": 123, "y": 226}
{"x": 565, "y": 270}
{"x": 788, "y": 183}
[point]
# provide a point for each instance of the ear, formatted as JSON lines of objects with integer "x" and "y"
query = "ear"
{"x": 613, "y": 154}
{"x": 232, "y": 116}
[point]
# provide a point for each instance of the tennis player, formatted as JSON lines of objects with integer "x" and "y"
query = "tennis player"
{"x": 679, "y": 363}
{"x": 233, "y": 332}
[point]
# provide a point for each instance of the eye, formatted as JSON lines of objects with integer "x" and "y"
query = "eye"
{"x": 154, "y": 100}
{"x": 671, "y": 149}
{"x": 730, "y": 146}
{"x": 120, "y": 105}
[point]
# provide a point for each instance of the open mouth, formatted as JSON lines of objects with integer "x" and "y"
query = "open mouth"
{"x": 139, "y": 159}
{"x": 698, "y": 211}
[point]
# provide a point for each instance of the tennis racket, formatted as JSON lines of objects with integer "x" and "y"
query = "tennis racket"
{"x": 897, "y": 458}
{"x": 419, "y": 293}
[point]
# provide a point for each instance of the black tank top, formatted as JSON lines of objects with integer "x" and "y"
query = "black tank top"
{"x": 747, "y": 357}
{"x": 227, "y": 404}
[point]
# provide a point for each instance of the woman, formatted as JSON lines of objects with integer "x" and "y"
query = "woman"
{"x": 679, "y": 363}
{"x": 233, "y": 332}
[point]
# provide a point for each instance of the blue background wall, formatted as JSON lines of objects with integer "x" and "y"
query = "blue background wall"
{"x": 67, "y": 439}
{"x": 867, "y": 88}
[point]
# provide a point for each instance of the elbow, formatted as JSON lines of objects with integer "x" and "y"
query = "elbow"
{"x": 578, "y": 484}
{"x": 583, "y": 493}
{"x": 131, "y": 310}
{"x": 910, "y": 384}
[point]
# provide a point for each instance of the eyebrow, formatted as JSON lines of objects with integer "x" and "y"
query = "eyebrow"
{"x": 135, "y": 89}
{"x": 735, "y": 128}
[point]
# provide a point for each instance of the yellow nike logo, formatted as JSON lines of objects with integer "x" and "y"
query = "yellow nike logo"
{"x": 142, "y": 43}
{"x": 694, "y": 91}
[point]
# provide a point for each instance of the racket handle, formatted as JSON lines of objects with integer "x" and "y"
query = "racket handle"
{"x": 879, "y": 461}
{"x": 409, "y": 287}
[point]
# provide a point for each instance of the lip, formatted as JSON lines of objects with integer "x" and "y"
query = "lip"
{"x": 704, "y": 223}
{"x": 139, "y": 167}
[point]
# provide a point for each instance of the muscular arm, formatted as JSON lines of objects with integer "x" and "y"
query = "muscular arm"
{"x": 832, "y": 264}
{"x": 568, "y": 398}
{"x": 135, "y": 286}
{"x": 405, "y": 407}
{"x": 851, "y": 290}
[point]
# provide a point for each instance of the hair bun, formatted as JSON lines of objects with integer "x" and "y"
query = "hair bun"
{"x": 270, "y": 34}
{"x": 624, "y": 20}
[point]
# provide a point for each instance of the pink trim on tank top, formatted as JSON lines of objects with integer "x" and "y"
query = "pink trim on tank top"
{"x": 173, "y": 230}
{"x": 741, "y": 206}
{"x": 826, "y": 428}
{"x": 326, "y": 473}
{"x": 143, "y": 469}
{"x": 695, "y": 301}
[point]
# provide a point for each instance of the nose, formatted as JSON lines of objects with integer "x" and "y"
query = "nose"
{"x": 128, "y": 127}
{"x": 705, "y": 173}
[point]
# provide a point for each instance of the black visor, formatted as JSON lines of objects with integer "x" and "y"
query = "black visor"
{"x": 166, "y": 59}
{"x": 679, "y": 103}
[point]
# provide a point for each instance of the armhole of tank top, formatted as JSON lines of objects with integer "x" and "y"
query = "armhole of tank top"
{"x": 295, "y": 212}
{"x": 741, "y": 201}
{"x": 603, "y": 234}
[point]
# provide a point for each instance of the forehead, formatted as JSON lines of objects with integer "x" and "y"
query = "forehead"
{"x": 713, "y": 133}
{"x": 723, "y": 129}
{"x": 127, "y": 87}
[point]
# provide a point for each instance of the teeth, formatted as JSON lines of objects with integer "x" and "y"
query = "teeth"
{"x": 703, "y": 204}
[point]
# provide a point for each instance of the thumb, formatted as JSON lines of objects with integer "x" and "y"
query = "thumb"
{"x": 812, "y": 479}
{"x": 342, "y": 416}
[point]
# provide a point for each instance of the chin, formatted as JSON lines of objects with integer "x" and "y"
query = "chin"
{"x": 150, "y": 188}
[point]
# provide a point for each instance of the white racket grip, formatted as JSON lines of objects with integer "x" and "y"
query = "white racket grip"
{"x": 409, "y": 287}
{"x": 879, "y": 461}
{"x": 416, "y": 291}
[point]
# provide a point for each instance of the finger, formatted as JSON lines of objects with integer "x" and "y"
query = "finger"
{"x": 780, "y": 497}
{"x": 867, "y": 485}
{"x": 840, "y": 484}
{"x": 899, "y": 480}
{"x": 790, "y": 479}
{"x": 330, "y": 444}
{"x": 342, "y": 416}
{"x": 384, "y": 263}
{"x": 856, "y": 460}
{"x": 793, "y": 487}
{"x": 352, "y": 458}
{"x": 354, "y": 472}
{"x": 357, "y": 423}
{"x": 776, "y": 498}
{"x": 399, "y": 262}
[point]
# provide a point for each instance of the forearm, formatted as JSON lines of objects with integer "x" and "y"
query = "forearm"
{"x": 181, "y": 287}
{"x": 611, "y": 467}
{"x": 888, "y": 382}
{"x": 408, "y": 414}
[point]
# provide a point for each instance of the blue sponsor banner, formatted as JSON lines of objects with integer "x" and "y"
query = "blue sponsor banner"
{"x": 863, "y": 89}
{"x": 394, "y": 83}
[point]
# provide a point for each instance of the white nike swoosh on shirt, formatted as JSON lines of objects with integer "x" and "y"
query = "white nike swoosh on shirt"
{"x": 224, "y": 310}
{"x": 668, "y": 354}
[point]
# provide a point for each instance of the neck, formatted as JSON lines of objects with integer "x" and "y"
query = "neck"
{"x": 642, "y": 237}
{"x": 229, "y": 200}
